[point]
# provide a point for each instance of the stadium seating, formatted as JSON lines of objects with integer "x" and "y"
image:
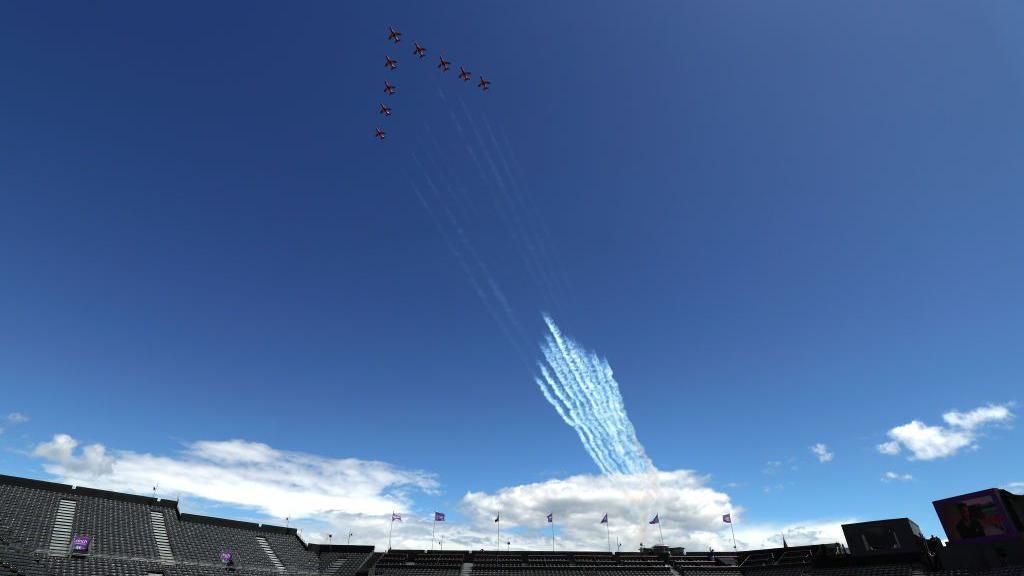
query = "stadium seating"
{"x": 24, "y": 511}
{"x": 15, "y": 560}
{"x": 138, "y": 535}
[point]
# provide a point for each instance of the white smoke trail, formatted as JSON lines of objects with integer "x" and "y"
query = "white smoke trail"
{"x": 581, "y": 387}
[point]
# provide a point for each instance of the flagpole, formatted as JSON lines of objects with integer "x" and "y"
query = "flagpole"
{"x": 733, "y": 530}
{"x": 552, "y": 536}
{"x": 497, "y": 520}
{"x": 432, "y": 529}
{"x": 660, "y": 535}
{"x": 608, "y": 531}
{"x": 391, "y": 529}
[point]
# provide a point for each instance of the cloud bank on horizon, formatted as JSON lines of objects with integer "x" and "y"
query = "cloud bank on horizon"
{"x": 254, "y": 481}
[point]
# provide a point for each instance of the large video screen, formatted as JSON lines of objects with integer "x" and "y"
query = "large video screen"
{"x": 975, "y": 517}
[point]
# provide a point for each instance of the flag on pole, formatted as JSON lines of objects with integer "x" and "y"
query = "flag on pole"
{"x": 438, "y": 516}
{"x": 396, "y": 516}
{"x": 551, "y": 517}
{"x": 727, "y": 518}
{"x": 605, "y": 519}
{"x": 655, "y": 520}
{"x": 497, "y": 518}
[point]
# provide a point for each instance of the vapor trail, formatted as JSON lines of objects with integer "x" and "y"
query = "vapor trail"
{"x": 521, "y": 233}
{"x": 536, "y": 215}
{"x": 454, "y": 237}
{"x": 581, "y": 387}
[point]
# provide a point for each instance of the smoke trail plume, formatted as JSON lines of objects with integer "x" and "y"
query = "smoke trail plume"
{"x": 581, "y": 387}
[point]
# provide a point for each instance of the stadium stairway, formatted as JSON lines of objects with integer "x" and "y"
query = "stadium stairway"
{"x": 270, "y": 554}
{"x": 60, "y": 536}
{"x": 163, "y": 545}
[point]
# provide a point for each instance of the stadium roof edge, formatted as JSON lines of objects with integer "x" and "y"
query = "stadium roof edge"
{"x": 327, "y": 548}
{"x": 137, "y": 499}
{"x": 69, "y": 489}
{"x": 227, "y": 522}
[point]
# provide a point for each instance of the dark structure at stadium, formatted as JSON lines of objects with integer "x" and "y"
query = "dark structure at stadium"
{"x": 49, "y": 529}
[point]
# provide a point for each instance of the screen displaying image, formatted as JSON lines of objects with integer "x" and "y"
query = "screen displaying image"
{"x": 974, "y": 516}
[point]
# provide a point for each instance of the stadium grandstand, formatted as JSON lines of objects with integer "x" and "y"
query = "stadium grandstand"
{"x": 50, "y": 529}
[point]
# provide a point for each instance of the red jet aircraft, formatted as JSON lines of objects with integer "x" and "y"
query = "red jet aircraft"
{"x": 394, "y": 35}
{"x": 444, "y": 64}
{"x": 419, "y": 50}
{"x": 389, "y": 63}
{"x": 464, "y": 74}
{"x": 388, "y": 88}
{"x": 380, "y": 133}
{"x": 485, "y": 84}
{"x": 385, "y": 110}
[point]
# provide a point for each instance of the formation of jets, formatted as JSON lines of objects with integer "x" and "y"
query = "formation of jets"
{"x": 418, "y": 50}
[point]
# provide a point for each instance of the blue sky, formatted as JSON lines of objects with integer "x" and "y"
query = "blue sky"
{"x": 782, "y": 224}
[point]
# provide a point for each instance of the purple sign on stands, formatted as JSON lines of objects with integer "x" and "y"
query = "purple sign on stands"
{"x": 227, "y": 557}
{"x": 80, "y": 543}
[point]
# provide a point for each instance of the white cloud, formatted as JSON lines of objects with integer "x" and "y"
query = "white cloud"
{"x": 681, "y": 498}
{"x": 16, "y": 418}
{"x": 92, "y": 463}
{"x": 245, "y": 474}
{"x": 1015, "y": 487}
{"x": 930, "y": 442}
{"x": 821, "y": 451}
{"x": 978, "y": 416}
{"x": 690, "y": 513}
{"x": 891, "y": 448}
{"x": 926, "y": 442}
{"x": 12, "y": 419}
{"x": 894, "y": 477}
